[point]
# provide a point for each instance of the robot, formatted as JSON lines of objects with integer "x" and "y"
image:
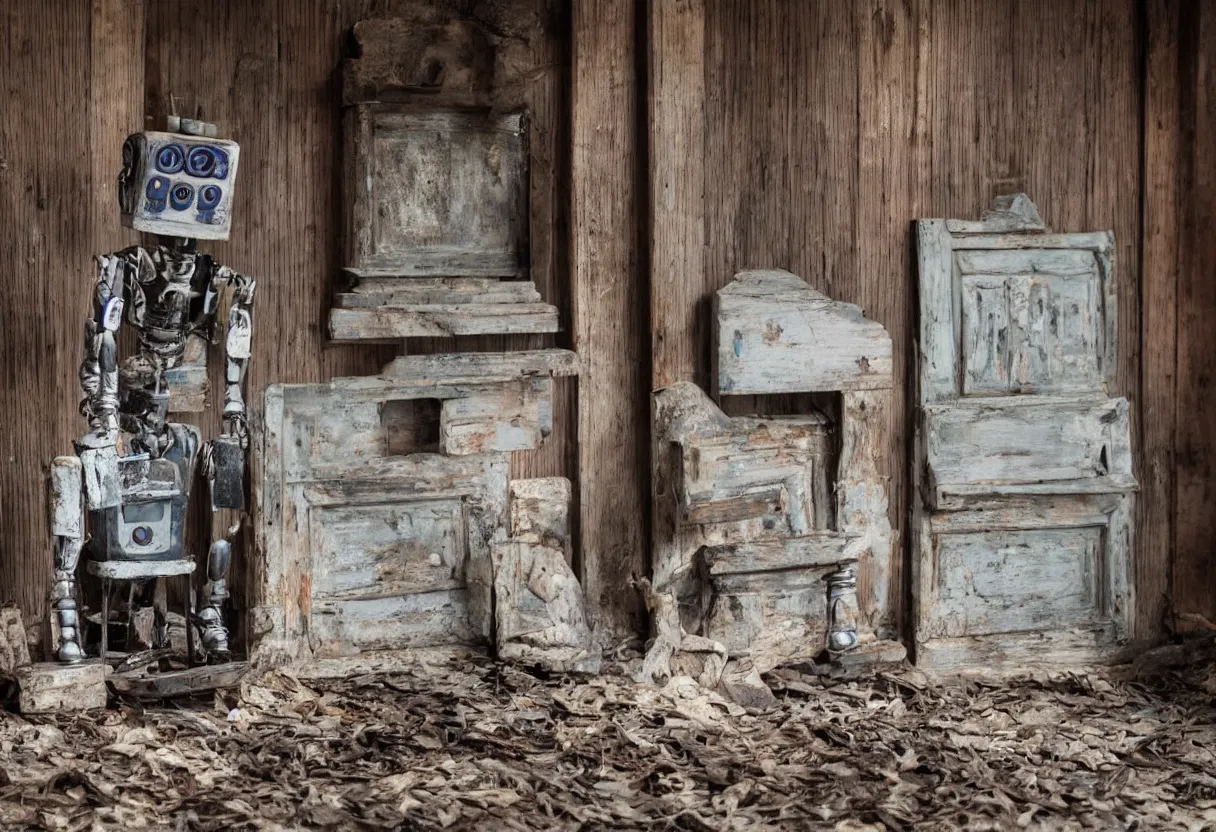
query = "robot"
{"x": 134, "y": 467}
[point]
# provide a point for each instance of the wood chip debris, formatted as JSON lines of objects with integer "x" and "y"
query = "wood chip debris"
{"x": 468, "y": 744}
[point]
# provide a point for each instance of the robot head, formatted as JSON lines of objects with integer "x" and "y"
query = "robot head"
{"x": 178, "y": 184}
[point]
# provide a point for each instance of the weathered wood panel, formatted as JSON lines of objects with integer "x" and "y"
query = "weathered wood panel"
{"x": 1028, "y": 439}
{"x": 364, "y": 549}
{"x": 611, "y": 333}
{"x": 775, "y": 334}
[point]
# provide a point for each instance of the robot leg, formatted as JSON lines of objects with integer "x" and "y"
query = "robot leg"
{"x": 67, "y": 526}
{"x": 211, "y": 614}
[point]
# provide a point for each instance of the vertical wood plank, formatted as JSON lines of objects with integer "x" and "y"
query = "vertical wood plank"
{"x": 609, "y": 323}
{"x": 1159, "y": 315}
{"x": 1195, "y": 401}
{"x": 45, "y": 184}
{"x": 888, "y": 198}
{"x": 680, "y": 290}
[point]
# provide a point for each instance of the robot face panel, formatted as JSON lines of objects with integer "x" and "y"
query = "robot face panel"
{"x": 178, "y": 185}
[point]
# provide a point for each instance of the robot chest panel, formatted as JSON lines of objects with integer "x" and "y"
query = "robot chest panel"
{"x": 169, "y": 302}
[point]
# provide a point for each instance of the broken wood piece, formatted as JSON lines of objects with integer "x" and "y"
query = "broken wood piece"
{"x": 434, "y": 291}
{"x": 515, "y": 416}
{"x": 775, "y": 334}
{"x": 871, "y": 654}
{"x": 539, "y": 609}
{"x": 540, "y": 512}
{"x": 48, "y": 687}
{"x": 14, "y": 643}
{"x": 816, "y": 549}
{"x": 538, "y": 603}
{"x": 468, "y": 368}
{"x": 773, "y": 467}
{"x": 146, "y": 683}
{"x": 426, "y": 321}
{"x": 741, "y": 684}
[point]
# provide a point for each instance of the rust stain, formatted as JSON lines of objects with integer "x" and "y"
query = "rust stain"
{"x": 772, "y": 332}
{"x": 305, "y": 599}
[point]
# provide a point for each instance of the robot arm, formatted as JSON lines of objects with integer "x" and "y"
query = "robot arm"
{"x": 237, "y": 348}
{"x": 225, "y": 462}
{"x": 99, "y": 368}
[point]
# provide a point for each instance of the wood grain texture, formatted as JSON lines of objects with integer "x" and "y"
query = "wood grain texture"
{"x": 830, "y": 126}
{"x": 267, "y": 73}
{"x": 71, "y": 72}
{"x": 1161, "y": 229}
{"x": 610, "y": 321}
{"x": 1195, "y": 398}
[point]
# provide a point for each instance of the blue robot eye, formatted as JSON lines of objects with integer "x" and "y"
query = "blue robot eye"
{"x": 201, "y": 161}
{"x": 158, "y": 188}
{"x": 221, "y": 164}
{"x": 170, "y": 159}
{"x": 182, "y": 196}
{"x": 209, "y": 197}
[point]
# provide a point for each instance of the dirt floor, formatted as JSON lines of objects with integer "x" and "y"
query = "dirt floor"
{"x": 469, "y": 744}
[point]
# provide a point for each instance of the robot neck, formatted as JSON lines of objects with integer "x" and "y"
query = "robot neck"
{"x": 187, "y": 244}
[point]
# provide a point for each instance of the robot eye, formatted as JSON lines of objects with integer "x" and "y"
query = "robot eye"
{"x": 158, "y": 188}
{"x": 221, "y": 164}
{"x": 201, "y": 161}
{"x": 209, "y": 197}
{"x": 170, "y": 159}
{"x": 182, "y": 196}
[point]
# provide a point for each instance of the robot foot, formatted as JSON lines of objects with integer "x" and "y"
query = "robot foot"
{"x": 70, "y": 652}
{"x": 214, "y": 633}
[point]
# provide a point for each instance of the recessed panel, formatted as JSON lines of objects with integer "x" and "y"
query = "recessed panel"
{"x": 380, "y": 551}
{"x": 447, "y": 193}
{"x": 1030, "y": 322}
{"x": 1016, "y": 581}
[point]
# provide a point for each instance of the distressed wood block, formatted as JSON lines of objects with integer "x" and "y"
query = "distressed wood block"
{"x": 776, "y": 467}
{"x": 539, "y": 605}
{"x": 434, "y": 291}
{"x": 775, "y": 334}
{"x": 468, "y": 368}
{"x": 539, "y": 609}
{"x": 540, "y": 512}
{"x": 14, "y": 643}
{"x": 50, "y": 687}
{"x": 515, "y": 416}
{"x": 435, "y": 321}
{"x": 818, "y": 549}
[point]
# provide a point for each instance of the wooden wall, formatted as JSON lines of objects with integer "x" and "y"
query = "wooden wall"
{"x": 82, "y": 74}
{"x": 675, "y": 142}
{"x": 809, "y": 136}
